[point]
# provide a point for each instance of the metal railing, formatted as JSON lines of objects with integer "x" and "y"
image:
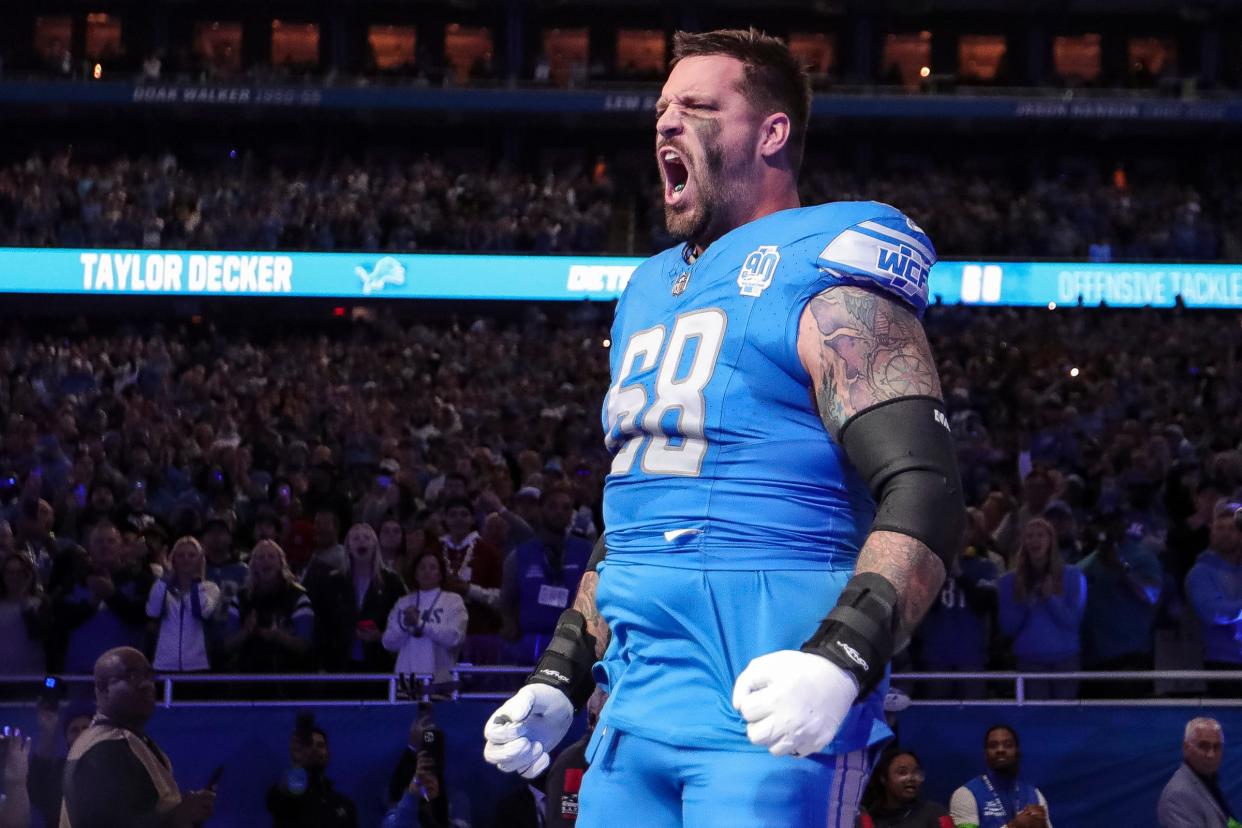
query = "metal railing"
{"x": 406, "y": 689}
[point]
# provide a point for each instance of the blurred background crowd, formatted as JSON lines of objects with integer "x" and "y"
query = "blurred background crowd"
{"x": 1088, "y": 210}
{"x": 300, "y": 500}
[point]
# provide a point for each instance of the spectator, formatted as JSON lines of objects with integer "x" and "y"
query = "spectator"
{"x": 356, "y": 604}
{"x": 106, "y": 608}
{"x": 15, "y": 801}
{"x": 564, "y": 779}
{"x": 417, "y": 786}
{"x": 403, "y": 772}
{"x": 1000, "y": 798}
{"x": 24, "y": 615}
{"x": 508, "y": 529}
{"x": 474, "y": 573}
{"x": 1214, "y": 588}
{"x": 47, "y": 769}
{"x": 425, "y": 627}
{"x": 1036, "y": 492}
{"x": 955, "y": 634}
{"x": 1040, "y": 609}
{"x": 1193, "y": 797}
{"x": 226, "y": 570}
{"x": 271, "y": 622}
{"x": 541, "y": 577}
{"x": 306, "y": 797}
{"x": 1124, "y": 582}
{"x": 34, "y": 535}
{"x": 116, "y": 774}
{"x": 891, "y": 799}
{"x": 328, "y": 554}
{"x": 183, "y": 602}
{"x": 392, "y": 545}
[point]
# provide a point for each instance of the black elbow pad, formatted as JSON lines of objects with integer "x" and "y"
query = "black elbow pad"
{"x": 903, "y": 448}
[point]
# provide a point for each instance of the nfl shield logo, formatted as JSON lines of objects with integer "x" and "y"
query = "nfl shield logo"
{"x": 757, "y": 270}
{"x": 679, "y": 287}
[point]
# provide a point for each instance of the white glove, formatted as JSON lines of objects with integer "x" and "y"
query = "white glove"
{"x": 522, "y": 730}
{"x": 793, "y": 702}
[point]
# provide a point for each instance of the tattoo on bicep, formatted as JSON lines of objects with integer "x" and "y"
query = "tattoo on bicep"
{"x": 584, "y": 602}
{"x": 872, "y": 349}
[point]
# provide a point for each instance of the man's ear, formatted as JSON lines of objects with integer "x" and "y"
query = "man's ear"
{"x": 774, "y": 134}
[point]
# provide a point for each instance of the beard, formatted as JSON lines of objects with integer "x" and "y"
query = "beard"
{"x": 697, "y": 222}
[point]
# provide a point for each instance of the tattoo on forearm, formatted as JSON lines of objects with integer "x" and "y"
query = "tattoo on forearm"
{"x": 872, "y": 349}
{"x": 914, "y": 571}
{"x": 584, "y": 602}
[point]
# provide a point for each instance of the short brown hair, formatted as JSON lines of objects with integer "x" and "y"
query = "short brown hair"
{"x": 774, "y": 80}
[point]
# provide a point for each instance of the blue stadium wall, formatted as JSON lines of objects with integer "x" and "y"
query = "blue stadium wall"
{"x": 1097, "y": 765}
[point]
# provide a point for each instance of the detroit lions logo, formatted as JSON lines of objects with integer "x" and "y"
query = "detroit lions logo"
{"x": 387, "y": 271}
{"x": 757, "y": 270}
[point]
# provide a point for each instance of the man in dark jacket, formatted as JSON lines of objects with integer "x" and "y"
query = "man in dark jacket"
{"x": 116, "y": 774}
{"x": 106, "y": 607}
{"x": 305, "y": 797}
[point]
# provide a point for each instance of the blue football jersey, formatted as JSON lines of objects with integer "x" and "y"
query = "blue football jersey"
{"x": 720, "y": 460}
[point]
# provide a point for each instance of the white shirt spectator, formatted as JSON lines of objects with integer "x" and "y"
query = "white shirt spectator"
{"x": 182, "y": 643}
{"x": 430, "y": 645}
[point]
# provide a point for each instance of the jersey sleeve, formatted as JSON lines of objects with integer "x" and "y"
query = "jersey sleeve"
{"x": 888, "y": 252}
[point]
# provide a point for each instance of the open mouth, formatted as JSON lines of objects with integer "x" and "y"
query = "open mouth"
{"x": 675, "y": 172}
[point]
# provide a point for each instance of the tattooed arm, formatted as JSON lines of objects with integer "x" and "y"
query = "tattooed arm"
{"x": 861, "y": 349}
{"x": 584, "y": 602}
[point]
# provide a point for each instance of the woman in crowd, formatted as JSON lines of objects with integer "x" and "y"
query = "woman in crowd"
{"x": 23, "y": 618}
{"x": 372, "y": 590}
{"x": 394, "y": 554}
{"x": 426, "y": 627}
{"x": 1041, "y": 605}
{"x": 891, "y": 799}
{"x": 271, "y": 622}
{"x": 182, "y": 601}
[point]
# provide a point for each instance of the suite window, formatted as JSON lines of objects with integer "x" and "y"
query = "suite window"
{"x": 567, "y": 51}
{"x": 1152, "y": 55}
{"x": 979, "y": 56}
{"x": 295, "y": 44}
{"x": 103, "y": 36}
{"x": 816, "y": 51}
{"x": 468, "y": 50}
{"x": 392, "y": 47}
{"x": 217, "y": 44}
{"x": 1077, "y": 57}
{"x": 907, "y": 58}
{"x": 641, "y": 52}
{"x": 52, "y": 36}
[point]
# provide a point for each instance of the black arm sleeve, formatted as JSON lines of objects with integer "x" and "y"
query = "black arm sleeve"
{"x": 597, "y": 555}
{"x": 108, "y": 787}
{"x": 904, "y": 450}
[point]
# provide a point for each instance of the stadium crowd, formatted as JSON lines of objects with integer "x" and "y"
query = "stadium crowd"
{"x": 263, "y": 502}
{"x": 392, "y": 495}
{"x": 157, "y": 202}
{"x": 433, "y": 204}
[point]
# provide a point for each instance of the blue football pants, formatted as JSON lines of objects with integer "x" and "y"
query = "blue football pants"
{"x": 638, "y": 781}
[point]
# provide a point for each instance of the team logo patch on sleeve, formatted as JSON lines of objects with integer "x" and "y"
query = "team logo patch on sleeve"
{"x": 757, "y": 270}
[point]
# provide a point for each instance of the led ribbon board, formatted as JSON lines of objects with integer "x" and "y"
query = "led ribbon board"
{"x": 378, "y": 276}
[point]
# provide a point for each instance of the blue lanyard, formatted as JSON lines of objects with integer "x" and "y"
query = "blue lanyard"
{"x": 1004, "y": 805}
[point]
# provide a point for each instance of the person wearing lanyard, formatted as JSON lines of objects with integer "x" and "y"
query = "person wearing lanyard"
{"x": 540, "y": 576}
{"x": 426, "y": 626}
{"x": 999, "y": 798}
